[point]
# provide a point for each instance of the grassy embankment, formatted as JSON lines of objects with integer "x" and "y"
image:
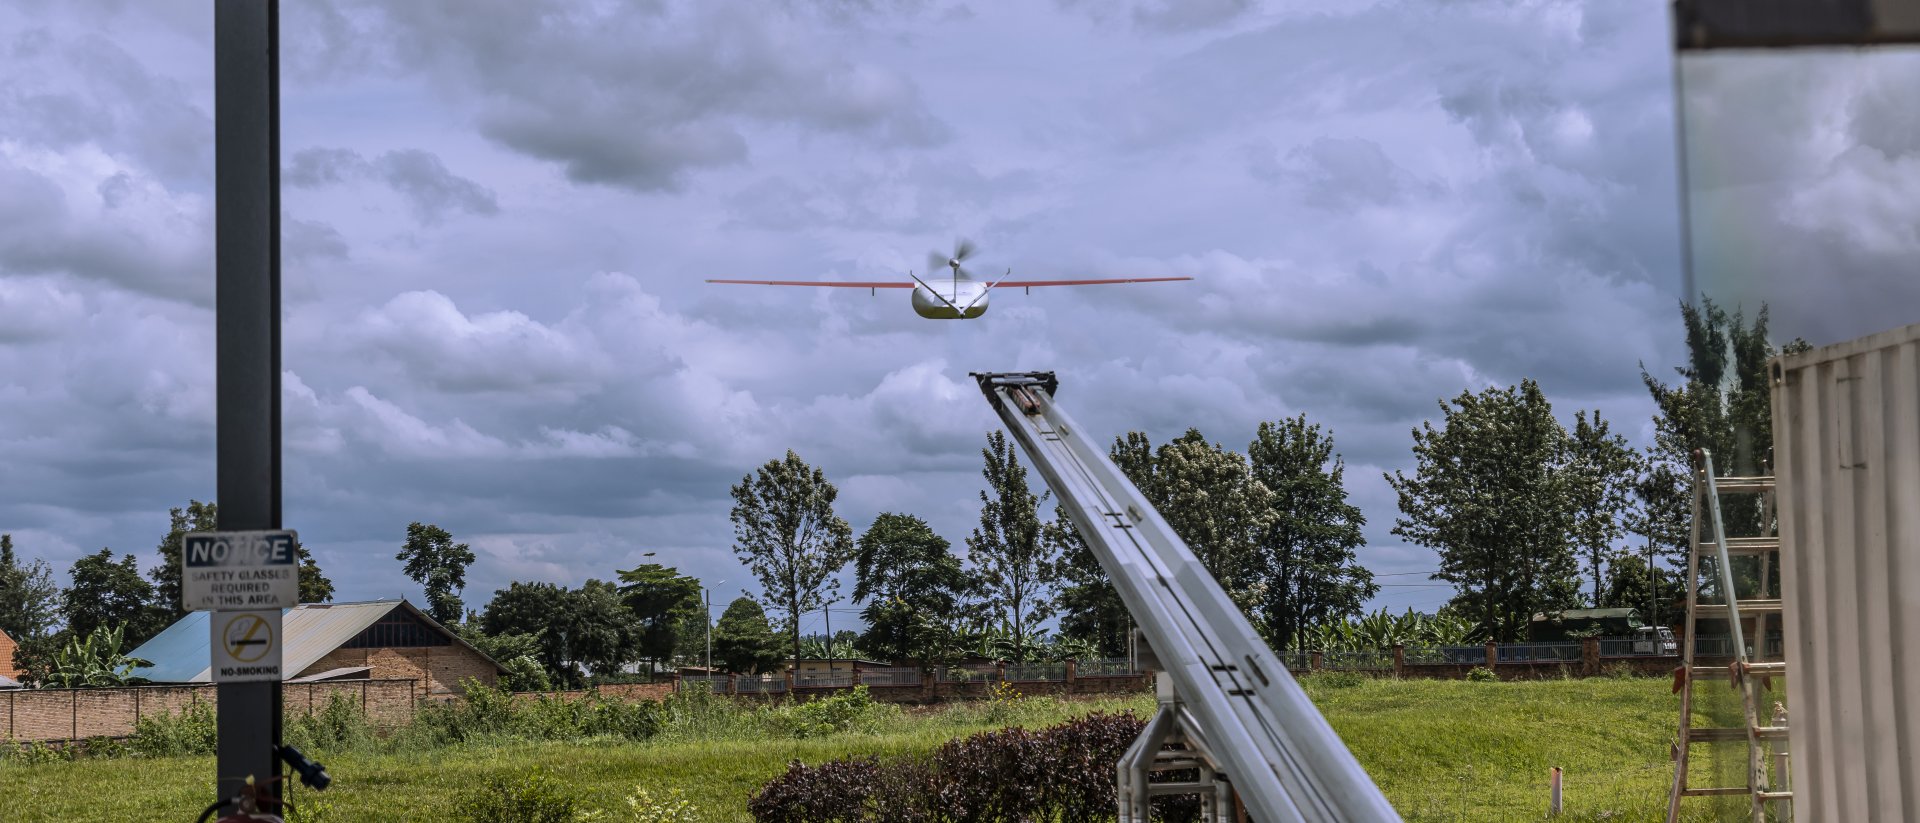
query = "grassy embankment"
{"x": 1453, "y": 751}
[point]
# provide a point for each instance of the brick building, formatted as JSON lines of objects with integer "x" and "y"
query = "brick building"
{"x": 7, "y": 671}
{"x": 373, "y": 640}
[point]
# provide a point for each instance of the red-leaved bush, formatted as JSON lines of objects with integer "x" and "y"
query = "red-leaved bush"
{"x": 1061, "y": 773}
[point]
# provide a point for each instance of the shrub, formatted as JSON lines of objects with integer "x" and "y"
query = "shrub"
{"x": 35, "y": 753}
{"x": 1061, "y": 773}
{"x": 525, "y": 674}
{"x": 831, "y": 792}
{"x": 1482, "y": 674}
{"x": 338, "y": 725}
{"x": 533, "y": 797}
{"x": 192, "y": 731}
{"x": 643, "y": 807}
{"x": 851, "y": 711}
{"x": 105, "y": 747}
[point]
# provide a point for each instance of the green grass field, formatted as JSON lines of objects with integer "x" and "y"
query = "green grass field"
{"x": 1441, "y": 750}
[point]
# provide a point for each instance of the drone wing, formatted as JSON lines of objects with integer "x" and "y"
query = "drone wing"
{"x": 843, "y": 284}
{"x": 1018, "y": 284}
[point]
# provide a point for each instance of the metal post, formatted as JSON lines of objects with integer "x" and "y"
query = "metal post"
{"x": 709, "y": 622}
{"x": 828, "y": 614}
{"x": 246, "y": 35}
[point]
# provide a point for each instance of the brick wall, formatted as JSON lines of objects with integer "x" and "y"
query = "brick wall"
{"x": 930, "y": 692}
{"x": 70, "y": 714}
{"x": 6, "y": 657}
{"x": 439, "y": 669}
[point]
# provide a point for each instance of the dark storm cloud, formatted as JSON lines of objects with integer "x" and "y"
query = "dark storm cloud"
{"x": 638, "y": 98}
{"x": 1383, "y": 205}
{"x": 1188, "y": 15}
{"x": 1804, "y": 172}
{"x": 431, "y": 191}
{"x": 65, "y": 92}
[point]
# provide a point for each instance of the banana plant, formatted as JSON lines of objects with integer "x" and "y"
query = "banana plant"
{"x": 96, "y": 661}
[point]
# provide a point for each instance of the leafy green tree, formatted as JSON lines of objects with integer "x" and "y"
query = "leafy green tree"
{"x": 29, "y": 599}
{"x": 598, "y": 630}
{"x": 786, "y": 533}
{"x": 204, "y": 517}
{"x": 1723, "y": 404}
{"x": 1307, "y": 545}
{"x": 439, "y": 565}
{"x": 1600, "y": 482}
{"x": 1091, "y": 611}
{"x": 743, "y": 640}
{"x": 108, "y": 593}
{"x": 912, "y": 587}
{"x": 1217, "y": 507}
{"x": 536, "y": 611}
{"x": 1489, "y": 494}
{"x": 660, "y": 599}
{"x": 1660, "y": 600}
{"x": 692, "y": 634}
{"x": 96, "y": 660}
{"x": 1017, "y": 569}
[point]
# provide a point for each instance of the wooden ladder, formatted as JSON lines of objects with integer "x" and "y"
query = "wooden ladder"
{"x": 1749, "y": 670}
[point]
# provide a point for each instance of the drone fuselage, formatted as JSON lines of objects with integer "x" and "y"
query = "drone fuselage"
{"x": 958, "y": 293}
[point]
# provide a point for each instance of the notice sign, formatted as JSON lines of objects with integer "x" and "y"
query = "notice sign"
{"x": 246, "y": 646}
{"x": 239, "y": 570}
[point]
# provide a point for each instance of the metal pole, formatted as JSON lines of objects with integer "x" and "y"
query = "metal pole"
{"x": 709, "y": 622}
{"x": 246, "y": 35}
{"x": 829, "y": 616}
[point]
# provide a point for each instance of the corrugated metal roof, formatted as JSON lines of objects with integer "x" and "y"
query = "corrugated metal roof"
{"x": 182, "y": 653}
{"x": 334, "y": 674}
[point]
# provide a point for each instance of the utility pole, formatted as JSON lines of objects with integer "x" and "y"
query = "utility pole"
{"x": 246, "y": 128}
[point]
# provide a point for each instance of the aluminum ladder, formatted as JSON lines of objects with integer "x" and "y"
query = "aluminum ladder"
{"x": 1225, "y": 698}
{"x": 1749, "y": 670}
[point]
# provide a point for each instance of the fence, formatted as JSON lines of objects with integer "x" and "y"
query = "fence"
{"x": 1109, "y": 667}
{"x": 1721, "y": 645}
{"x": 1032, "y": 672}
{"x": 762, "y": 684}
{"x": 830, "y": 680}
{"x": 28, "y": 715}
{"x": 967, "y": 674}
{"x": 896, "y": 676}
{"x": 1457, "y": 655}
{"x": 1539, "y": 652}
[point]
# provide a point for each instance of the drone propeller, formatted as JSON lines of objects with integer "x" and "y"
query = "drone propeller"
{"x": 962, "y": 249}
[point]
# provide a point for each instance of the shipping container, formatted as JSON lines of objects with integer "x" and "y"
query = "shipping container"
{"x": 1846, "y": 424}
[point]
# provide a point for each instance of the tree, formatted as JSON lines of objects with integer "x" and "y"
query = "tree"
{"x": 1722, "y": 404}
{"x": 535, "y": 611}
{"x": 743, "y": 641}
{"x": 597, "y": 629}
{"x": 786, "y": 533}
{"x": 1307, "y": 547}
{"x": 1090, "y": 608}
{"x": 29, "y": 599}
{"x": 106, "y": 593}
{"x": 1489, "y": 494}
{"x": 1017, "y": 569}
{"x": 1600, "y": 475}
{"x": 1217, "y": 508}
{"x": 97, "y": 660}
{"x": 660, "y": 599}
{"x": 439, "y": 565}
{"x": 913, "y": 588}
{"x": 1660, "y": 601}
{"x": 204, "y": 517}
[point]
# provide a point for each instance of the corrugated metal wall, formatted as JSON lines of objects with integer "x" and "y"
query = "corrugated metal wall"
{"x": 1847, "y": 447}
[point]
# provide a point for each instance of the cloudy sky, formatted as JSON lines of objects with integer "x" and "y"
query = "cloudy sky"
{"x": 498, "y": 214}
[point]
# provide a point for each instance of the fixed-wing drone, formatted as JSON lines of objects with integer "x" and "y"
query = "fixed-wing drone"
{"x": 961, "y": 297}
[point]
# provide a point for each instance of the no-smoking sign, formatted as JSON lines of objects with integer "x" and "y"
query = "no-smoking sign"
{"x": 246, "y": 646}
